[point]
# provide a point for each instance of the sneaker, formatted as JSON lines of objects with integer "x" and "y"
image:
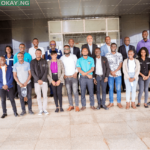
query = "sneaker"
{"x": 40, "y": 113}
{"x": 45, "y": 112}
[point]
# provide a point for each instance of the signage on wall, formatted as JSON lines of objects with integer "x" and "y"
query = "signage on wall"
{"x": 14, "y": 2}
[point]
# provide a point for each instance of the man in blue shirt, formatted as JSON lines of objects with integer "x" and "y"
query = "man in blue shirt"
{"x": 85, "y": 66}
{"x": 27, "y": 56}
{"x": 48, "y": 57}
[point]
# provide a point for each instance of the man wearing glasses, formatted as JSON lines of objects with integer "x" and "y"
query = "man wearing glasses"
{"x": 48, "y": 57}
{"x": 52, "y": 48}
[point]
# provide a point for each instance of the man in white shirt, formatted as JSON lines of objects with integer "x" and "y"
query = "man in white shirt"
{"x": 6, "y": 86}
{"x": 69, "y": 61}
{"x": 33, "y": 49}
{"x": 101, "y": 74}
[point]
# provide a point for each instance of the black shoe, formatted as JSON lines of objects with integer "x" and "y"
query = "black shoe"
{"x": 31, "y": 112}
{"x": 61, "y": 110}
{"x": 57, "y": 110}
{"x": 51, "y": 95}
{"x": 148, "y": 103}
{"x": 146, "y": 106}
{"x": 99, "y": 106}
{"x": 16, "y": 97}
{"x": 105, "y": 107}
{"x": 16, "y": 114}
{"x": 4, "y": 115}
{"x": 26, "y": 103}
{"x": 22, "y": 113}
{"x": 137, "y": 105}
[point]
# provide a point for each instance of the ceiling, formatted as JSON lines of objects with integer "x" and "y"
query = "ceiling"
{"x": 56, "y": 9}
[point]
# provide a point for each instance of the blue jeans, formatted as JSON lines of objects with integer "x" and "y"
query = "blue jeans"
{"x": 118, "y": 81}
{"x": 86, "y": 82}
{"x": 130, "y": 88}
{"x": 101, "y": 84}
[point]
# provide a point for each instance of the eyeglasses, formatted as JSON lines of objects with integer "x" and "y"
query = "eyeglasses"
{"x": 22, "y": 47}
{"x": 66, "y": 49}
{"x": 52, "y": 44}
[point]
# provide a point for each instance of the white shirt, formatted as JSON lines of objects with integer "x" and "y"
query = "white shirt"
{"x": 90, "y": 47}
{"x": 32, "y": 51}
{"x": 99, "y": 70}
{"x": 69, "y": 64}
{"x": 131, "y": 65}
{"x": 71, "y": 50}
{"x": 4, "y": 75}
{"x": 108, "y": 47}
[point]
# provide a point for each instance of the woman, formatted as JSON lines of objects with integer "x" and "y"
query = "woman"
{"x": 131, "y": 70}
{"x": 9, "y": 62}
{"x": 55, "y": 76}
{"x": 144, "y": 75}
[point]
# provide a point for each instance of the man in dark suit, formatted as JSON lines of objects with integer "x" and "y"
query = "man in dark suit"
{"x": 100, "y": 75}
{"x": 90, "y": 46}
{"x": 123, "y": 49}
{"x": 74, "y": 50}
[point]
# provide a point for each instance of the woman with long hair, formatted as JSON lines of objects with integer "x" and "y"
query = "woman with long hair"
{"x": 144, "y": 75}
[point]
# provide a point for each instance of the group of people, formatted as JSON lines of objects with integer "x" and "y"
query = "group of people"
{"x": 104, "y": 67}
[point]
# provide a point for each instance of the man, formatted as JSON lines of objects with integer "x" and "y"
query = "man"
{"x": 27, "y": 56}
{"x": 71, "y": 82}
{"x": 115, "y": 63}
{"x": 39, "y": 70}
{"x": 90, "y": 46}
{"x": 33, "y": 49}
{"x": 52, "y": 48}
{"x": 144, "y": 43}
{"x": 106, "y": 47}
{"x": 85, "y": 66}
{"x": 101, "y": 74}
{"x": 74, "y": 50}
{"x": 48, "y": 57}
{"x": 6, "y": 86}
{"x": 22, "y": 75}
{"x": 104, "y": 50}
{"x": 124, "y": 51}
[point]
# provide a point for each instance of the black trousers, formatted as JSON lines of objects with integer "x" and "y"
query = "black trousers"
{"x": 10, "y": 94}
{"x": 123, "y": 83}
{"x": 57, "y": 91}
{"x": 29, "y": 96}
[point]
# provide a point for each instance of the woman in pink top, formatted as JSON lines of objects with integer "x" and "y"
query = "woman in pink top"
{"x": 55, "y": 77}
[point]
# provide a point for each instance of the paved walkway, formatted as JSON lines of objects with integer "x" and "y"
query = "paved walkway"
{"x": 115, "y": 129}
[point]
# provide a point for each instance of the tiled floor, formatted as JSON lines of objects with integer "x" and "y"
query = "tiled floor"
{"x": 115, "y": 129}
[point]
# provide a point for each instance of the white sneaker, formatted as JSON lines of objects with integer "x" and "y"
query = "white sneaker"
{"x": 45, "y": 112}
{"x": 40, "y": 113}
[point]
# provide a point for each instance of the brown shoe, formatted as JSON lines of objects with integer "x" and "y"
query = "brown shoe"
{"x": 110, "y": 105}
{"x": 70, "y": 108}
{"x": 77, "y": 109}
{"x": 133, "y": 105}
{"x": 83, "y": 108}
{"x": 92, "y": 107}
{"x": 119, "y": 105}
{"x": 127, "y": 105}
